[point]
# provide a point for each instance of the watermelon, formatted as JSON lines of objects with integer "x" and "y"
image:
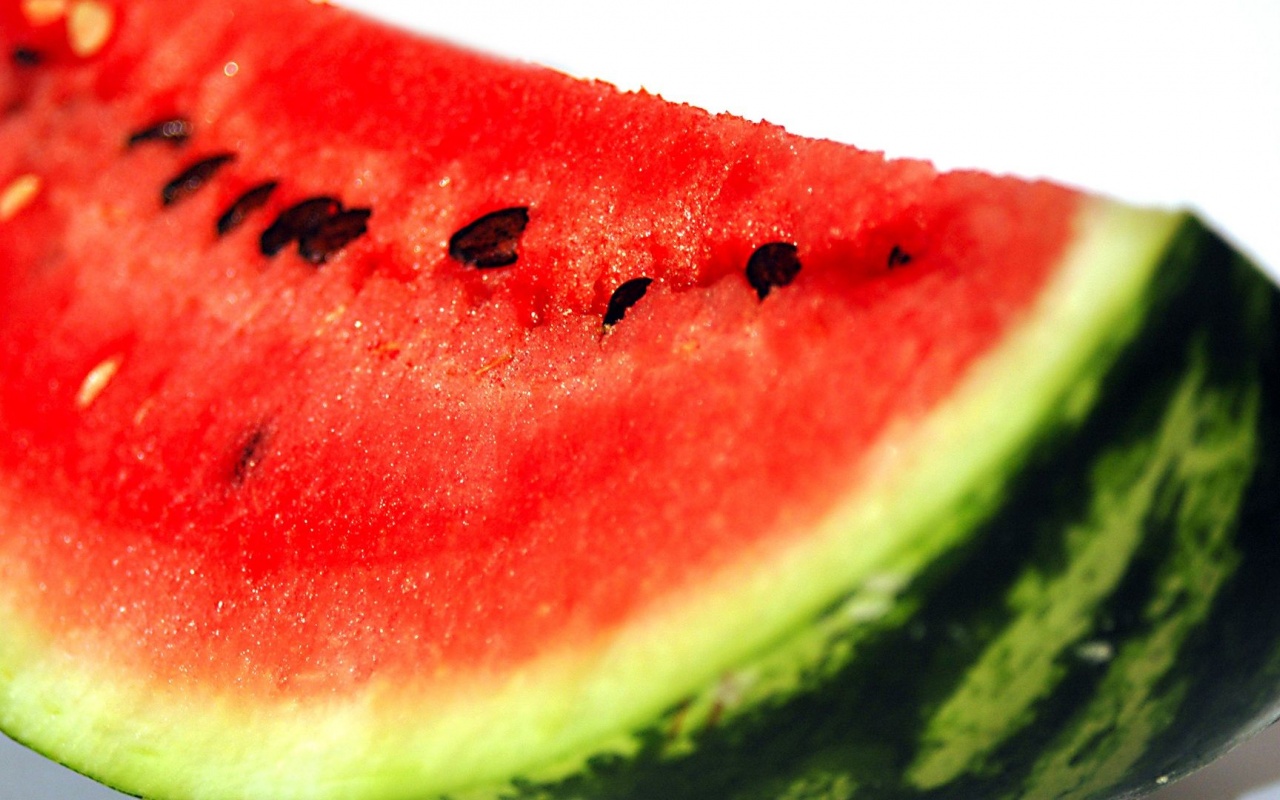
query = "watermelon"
{"x": 384, "y": 420}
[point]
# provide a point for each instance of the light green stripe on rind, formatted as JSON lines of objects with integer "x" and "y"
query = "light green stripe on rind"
{"x": 1134, "y": 703}
{"x": 1200, "y": 458}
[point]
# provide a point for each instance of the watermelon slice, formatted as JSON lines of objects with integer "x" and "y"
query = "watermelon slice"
{"x": 385, "y": 420}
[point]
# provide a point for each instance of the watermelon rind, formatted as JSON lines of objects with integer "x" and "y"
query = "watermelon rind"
{"x": 874, "y": 656}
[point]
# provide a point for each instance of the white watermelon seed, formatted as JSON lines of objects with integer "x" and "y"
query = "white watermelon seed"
{"x": 18, "y": 195}
{"x": 97, "y": 380}
{"x": 89, "y": 26}
{"x": 144, "y": 409}
{"x": 44, "y": 12}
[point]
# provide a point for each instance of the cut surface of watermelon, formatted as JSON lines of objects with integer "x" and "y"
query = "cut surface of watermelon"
{"x": 385, "y": 420}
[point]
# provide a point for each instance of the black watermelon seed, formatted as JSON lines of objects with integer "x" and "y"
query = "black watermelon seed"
{"x": 333, "y": 234}
{"x": 191, "y": 179}
{"x": 244, "y": 205}
{"x": 174, "y": 131}
{"x": 26, "y": 57}
{"x": 491, "y": 240}
{"x": 297, "y": 221}
{"x": 624, "y": 297}
{"x": 898, "y": 257}
{"x": 772, "y": 264}
{"x": 249, "y": 455}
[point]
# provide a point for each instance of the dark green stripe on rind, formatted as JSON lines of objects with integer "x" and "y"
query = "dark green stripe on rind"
{"x": 1228, "y": 671}
{"x": 1091, "y": 636}
{"x": 1171, "y": 492}
{"x": 1178, "y": 490}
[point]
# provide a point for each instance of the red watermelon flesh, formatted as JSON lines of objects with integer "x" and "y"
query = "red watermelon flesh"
{"x": 296, "y": 476}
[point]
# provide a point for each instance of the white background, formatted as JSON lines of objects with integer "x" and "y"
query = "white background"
{"x": 1169, "y": 103}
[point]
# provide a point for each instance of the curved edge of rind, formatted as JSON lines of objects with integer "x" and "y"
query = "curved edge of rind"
{"x": 1231, "y": 668}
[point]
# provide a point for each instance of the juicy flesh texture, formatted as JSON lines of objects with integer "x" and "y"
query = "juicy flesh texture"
{"x": 256, "y": 469}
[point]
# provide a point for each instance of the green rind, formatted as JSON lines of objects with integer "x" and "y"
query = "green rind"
{"x": 1054, "y": 655}
{"x": 1139, "y": 491}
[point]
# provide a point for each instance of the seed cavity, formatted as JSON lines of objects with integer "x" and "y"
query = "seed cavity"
{"x": 193, "y": 178}
{"x": 97, "y": 380}
{"x": 26, "y": 57}
{"x": 333, "y": 234}
{"x": 175, "y": 131}
{"x": 243, "y": 206}
{"x": 490, "y": 241}
{"x": 19, "y": 194}
{"x": 772, "y": 264}
{"x": 249, "y": 455}
{"x": 898, "y": 257}
{"x": 623, "y": 298}
{"x": 44, "y": 12}
{"x": 89, "y": 26}
{"x": 296, "y": 222}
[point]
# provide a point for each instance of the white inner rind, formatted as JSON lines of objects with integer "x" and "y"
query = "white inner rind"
{"x": 916, "y": 496}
